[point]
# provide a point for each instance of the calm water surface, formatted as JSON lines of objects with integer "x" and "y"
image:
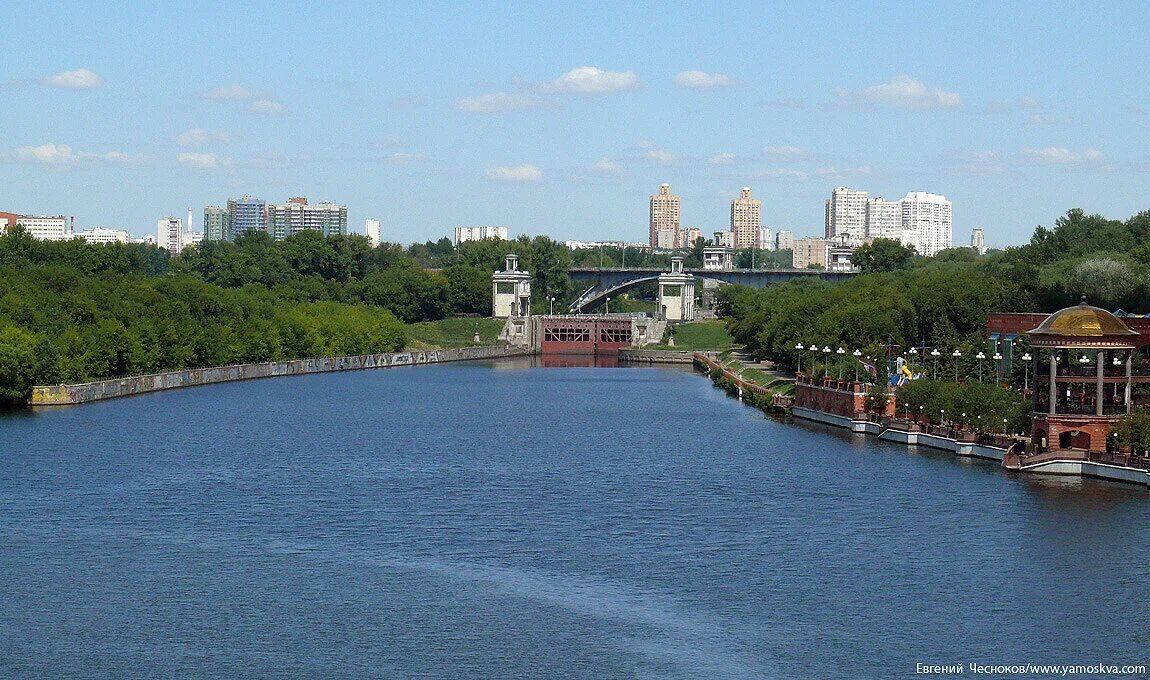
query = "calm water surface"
{"x": 503, "y": 520}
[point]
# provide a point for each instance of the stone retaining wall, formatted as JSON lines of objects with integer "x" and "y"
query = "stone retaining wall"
{"x": 56, "y": 395}
{"x": 654, "y": 356}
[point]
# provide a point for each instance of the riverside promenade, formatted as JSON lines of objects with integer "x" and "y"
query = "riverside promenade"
{"x": 67, "y": 395}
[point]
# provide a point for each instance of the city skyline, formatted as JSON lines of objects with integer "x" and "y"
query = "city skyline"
{"x": 512, "y": 134}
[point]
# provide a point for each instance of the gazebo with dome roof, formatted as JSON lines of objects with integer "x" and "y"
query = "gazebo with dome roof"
{"x": 1087, "y": 381}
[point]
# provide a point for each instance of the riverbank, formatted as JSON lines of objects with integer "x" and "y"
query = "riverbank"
{"x": 67, "y": 395}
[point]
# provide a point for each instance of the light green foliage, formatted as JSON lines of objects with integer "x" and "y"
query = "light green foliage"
{"x": 457, "y": 332}
{"x": 1133, "y": 431}
{"x": 882, "y": 255}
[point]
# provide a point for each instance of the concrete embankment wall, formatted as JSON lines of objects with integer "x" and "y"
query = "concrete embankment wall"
{"x": 57, "y": 395}
{"x": 655, "y": 356}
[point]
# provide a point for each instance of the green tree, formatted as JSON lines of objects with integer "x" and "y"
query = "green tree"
{"x": 882, "y": 255}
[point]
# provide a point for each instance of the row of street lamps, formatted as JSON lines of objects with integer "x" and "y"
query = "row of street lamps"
{"x": 981, "y": 356}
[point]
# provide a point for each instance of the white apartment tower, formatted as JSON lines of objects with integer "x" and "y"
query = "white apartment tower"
{"x": 746, "y": 219}
{"x": 883, "y": 218}
{"x": 978, "y": 241}
{"x": 371, "y": 230}
{"x": 926, "y": 222}
{"x": 664, "y": 216}
{"x": 169, "y": 234}
{"x": 846, "y": 213}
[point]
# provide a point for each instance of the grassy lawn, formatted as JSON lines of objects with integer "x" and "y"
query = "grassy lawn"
{"x": 452, "y": 333}
{"x": 699, "y": 335}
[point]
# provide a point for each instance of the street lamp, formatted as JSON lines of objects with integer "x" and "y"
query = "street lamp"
{"x": 935, "y": 353}
{"x": 826, "y": 361}
{"x": 553, "y": 305}
{"x": 997, "y": 368}
{"x": 840, "y": 351}
{"x": 942, "y": 416}
{"x": 1004, "y": 427}
{"x": 1026, "y": 371}
{"x": 956, "y": 354}
{"x": 980, "y": 356}
{"x": 914, "y": 354}
{"x": 857, "y": 354}
{"x": 799, "y": 352}
{"x": 607, "y": 305}
{"x": 1117, "y": 362}
{"x": 906, "y": 409}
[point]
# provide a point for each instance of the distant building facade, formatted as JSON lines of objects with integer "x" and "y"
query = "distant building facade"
{"x": 665, "y": 217}
{"x": 693, "y": 234}
{"x": 246, "y": 214}
{"x": 978, "y": 241}
{"x": 169, "y": 234}
{"x": 809, "y": 252}
{"x": 883, "y": 219}
{"x": 927, "y": 222}
{"x": 287, "y": 219}
{"x": 464, "y": 234}
{"x": 103, "y": 235}
{"x": 746, "y": 219}
{"x": 846, "y": 213}
{"x": 766, "y": 239}
{"x": 217, "y": 226}
{"x": 42, "y": 227}
{"x": 784, "y": 240}
{"x": 371, "y": 230}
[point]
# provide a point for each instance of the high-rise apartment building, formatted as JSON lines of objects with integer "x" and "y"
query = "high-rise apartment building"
{"x": 665, "y": 217}
{"x": 693, "y": 234}
{"x": 371, "y": 230}
{"x": 926, "y": 222}
{"x": 978, "y": 241}
{"x": 846, "y": 213}
{"x": 217, "y": 227}
{"x": 883, "y": 219}
{"x": 463, "y": 234}
{"x": 785, "y": 240}
{"x": 766, "y": 239}
{"x": 286, "y": 219}
{"x": 810, "y": 252}
{"x": 169, "y": 232}
{"x": 246, "y": 214}
{"x": 41, "y": 227}
{"x": 746, "y": 219}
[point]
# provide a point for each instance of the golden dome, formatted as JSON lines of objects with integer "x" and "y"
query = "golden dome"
{"x": 1083, "y": 321}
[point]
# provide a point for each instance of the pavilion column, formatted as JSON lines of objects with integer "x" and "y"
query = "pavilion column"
{"x": 1098, "y": 395}
{"x": 1053, "y": 384}
{"x": 1129, "y": 379}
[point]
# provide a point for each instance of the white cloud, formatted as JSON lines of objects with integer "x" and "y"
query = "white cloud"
{"x": 202, "y": 161}
{"x": 80, "y": 79}
{"x": 1055, "y": 155}
{"x": 725, "y": 158}
{"x": 593, "y": 80}
{"x": 517, "y": 173}
{"x": 497, "y": 102}
{"x": 412, "y": 101}
{"x": 782, "y": 172}
{"x": 230, "y": 93}
{"x": 834, "y": 171}
{"x": 1028, "y": 102}
{"x": 700, "y": 80}
{"x": 606, "y": 166}
{"x": 789, "y": 151}
{"x": 198, "y": 136}
{"x": 267, "y": 107}
{"x": 659, "y": 155}
{"x": 1041, "y": 119}
{"x": 400, "y": 157}
{"x": 903, "y": 92}
{"x": 50, "y": 154}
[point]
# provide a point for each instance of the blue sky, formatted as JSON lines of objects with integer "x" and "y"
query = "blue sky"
{"x": 562, "y": 118}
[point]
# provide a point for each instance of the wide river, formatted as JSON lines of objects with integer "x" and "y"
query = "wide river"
{"x": 502, "y": 520}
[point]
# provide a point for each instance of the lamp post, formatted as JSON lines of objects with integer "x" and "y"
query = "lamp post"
{"x": 857, "y": 354}
{"x": 913, "y": 354}
{"x": 1004, "y": 427}
{"x": 942, "y": 416}
{"x": 956, "y": 354}
{"x": 826, "y": 361}
{"x": 840, "y": 351}
{"x": 799, "y": 352}
{"x": 935, "y": 353}
{"x": 552, "y": 305}
{"x": 1026, "y": 371}
{"x": 980, "y": 356}
{"x": 906, "y": 409}
{"x": 607, "y": 305}
{"x": 1117, "y": 362}
{"x": 997, "y": 368}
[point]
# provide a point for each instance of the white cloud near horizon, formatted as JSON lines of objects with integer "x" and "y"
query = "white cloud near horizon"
{"x": 701, "y": 80}
{"x": 80, "y": 79}
{"x": 659, "y": 155}
{"x": 498, "y": 102}
{"x": 781, "y": 173}
{"x": 267, "y": 107}
{"x": 592, "y": 80}
{"x": 64, "y": 154}
{"x": 200, "y": 161}
{"x": 606, "y": 166}
{"x": 789, "y": 151}
{"x": 1056, "y": 155}
{"x": 902, "y": 92}
{"x": 199, "y": 136}
{"x": 400, "y": 157}
{"x": 516, "y": 173}
{"x": 229, "y": 93}
{"x": 724, "y": 158}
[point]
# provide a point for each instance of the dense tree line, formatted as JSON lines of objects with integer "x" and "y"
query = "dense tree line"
{"x": 905, "y": 300}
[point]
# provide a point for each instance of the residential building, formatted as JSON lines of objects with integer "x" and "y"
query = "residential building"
{"x": 169, "y": 234}
{"x": 693, "y": 234}
{"x": 216, "y": 224}
{"x": 8, "y": 220}
{"x": 926, "y": 222}
{"x": 667, "y": 239}
{"x": 810, "y": 252}
{"x": 286, "y": 219}
{"x": 664, "y": 215}
{"x": 725, "y": 239}
{"x": 371, "y": 230}
{"x": 846, "y": 213}
{"x": 883, "y": 219}
{"x": 978, "y": 241}
{"x": 463, "y": 234}
{"x": 784, "y": 240}
{"x": 103, "y": 235}
{"x": 746, "y": 219}
{"x": 718, "y": 258}
{"x": 766, "y": 239}
{"x": 246, "y": 214}
{"x": 44, "y": 227}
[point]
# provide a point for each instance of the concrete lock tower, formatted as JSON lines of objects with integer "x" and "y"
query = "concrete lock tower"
{"x": 676, "y": 293}
{"x": 511, "y": 291}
